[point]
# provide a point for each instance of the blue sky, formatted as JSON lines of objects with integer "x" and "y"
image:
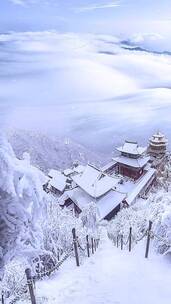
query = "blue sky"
{"x": 99, "y": 16}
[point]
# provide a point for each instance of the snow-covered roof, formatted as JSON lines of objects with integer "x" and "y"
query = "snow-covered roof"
{"x": 108, "y": 166}
{"x": 132, "y": 162}
{"x": 105, "y": 203}
{"x": 78, "y": 196}
{"x": 67, "y": 172}
{"x": 52, "y": 173}
{"x": 158, "y": 141}
{"x": 126, "y": 186}
{"x": 58, "y": 180}
{"x": 45, "y": 180}
{"x": 76, "y": 169}
{"x": 139, "y": 186}
{"x": 108, "y": 202}
{"x": 132, "y": 148}
{"x": 159, "y": 135}
{"x": 79, "y": 168}
{"x": 94, "y": 182}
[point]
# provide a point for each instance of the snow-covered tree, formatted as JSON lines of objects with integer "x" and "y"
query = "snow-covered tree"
{"x": 160, "y": 210}
{"x": 58, "y": 227}
{"x": 14, "y": 277}
{"x": 90, "y": 217}
{"x": 157, "y": 209}
{"x": 21, "y": 206}
{"x": 164, "y": 175}
{"x": 136, "y": 217}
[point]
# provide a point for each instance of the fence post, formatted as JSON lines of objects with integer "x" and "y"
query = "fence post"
{"x": 148, "y": 239}
{"x": 117, "y": 241}
{"x": 95, "y": 244}
{"x": 58, "y": 255}
{"x": 121, "y": 241}
{"x": 92, "y": 245}
{"x": 2, "y": 297}
{"x": 75, "y": 246}
{"x": 88, "y": 247}
{"x": 130, "y": 238}
{"x": 30, "y": 285}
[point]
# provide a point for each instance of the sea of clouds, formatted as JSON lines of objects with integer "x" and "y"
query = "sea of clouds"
{"x": 88, "y": 87}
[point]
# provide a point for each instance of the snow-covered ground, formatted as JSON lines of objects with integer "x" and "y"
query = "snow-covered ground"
{"x": 110, "y": 276}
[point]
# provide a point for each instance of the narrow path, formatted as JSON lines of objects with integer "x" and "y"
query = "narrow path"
{"x": 111, "y": 277}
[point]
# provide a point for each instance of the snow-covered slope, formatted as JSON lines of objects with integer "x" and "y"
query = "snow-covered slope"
{"x": 50, "y": 152}
{"x": 110, "y": 276}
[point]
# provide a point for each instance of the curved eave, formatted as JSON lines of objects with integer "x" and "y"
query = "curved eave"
{"x": 164, "y": 145}
{"x": 153, "y": 140}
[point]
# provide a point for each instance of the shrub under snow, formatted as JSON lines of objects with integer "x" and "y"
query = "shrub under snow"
{"x": 157, "y": 209}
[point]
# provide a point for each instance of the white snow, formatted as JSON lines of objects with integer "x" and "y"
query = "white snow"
{"x": 53, "y": 173}
{"x": 93, "y": 182}
{"x": 22, "y": 202}
{"x": 79, "y": 169}
{"x": 90, "y": 174}
{"x": 58, "y": 180}
{"x": 149, "y": 175}
{"x": 105, "y": 203}
{"x": 132, "y": 148}
{"x": 108, "y": 202}
{"x": 159, "y": 139}
{"x": 110, "y": 276}
{"x": 108, "y": 166}
{"x": 133, "y": 189}
{"x": 126, "y": 185}
{"x": 78, "y": 196}
{"x": 132, "y": 162}
{"x": 107, "y": 191}
{"x": 67, "y": 172}
{"x": 50, "y": 151}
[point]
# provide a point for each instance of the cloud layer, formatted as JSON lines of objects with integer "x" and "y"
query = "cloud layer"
{"x": 97, "y": 6}
{"x": 22, "y": 2}
{"x": 88, "y": 87}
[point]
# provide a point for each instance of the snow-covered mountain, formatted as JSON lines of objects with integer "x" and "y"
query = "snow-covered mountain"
{"x": 50, "y": 152}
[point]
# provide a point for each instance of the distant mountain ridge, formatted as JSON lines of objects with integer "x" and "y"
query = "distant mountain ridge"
{"x": 128, "y": 45}
{"x": 49, "y": 152}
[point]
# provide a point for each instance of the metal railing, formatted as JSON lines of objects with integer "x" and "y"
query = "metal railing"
{"x": 118, "y": 240}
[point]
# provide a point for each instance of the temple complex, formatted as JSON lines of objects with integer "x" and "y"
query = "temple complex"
{"x": 121, "y": 182}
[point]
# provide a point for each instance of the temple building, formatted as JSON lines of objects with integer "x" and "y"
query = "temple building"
{"x": 134, "y": 169}
{"x": 131, "y": 161}
{"x": 92, "y": 185}
{"x": 157, "y": 145}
